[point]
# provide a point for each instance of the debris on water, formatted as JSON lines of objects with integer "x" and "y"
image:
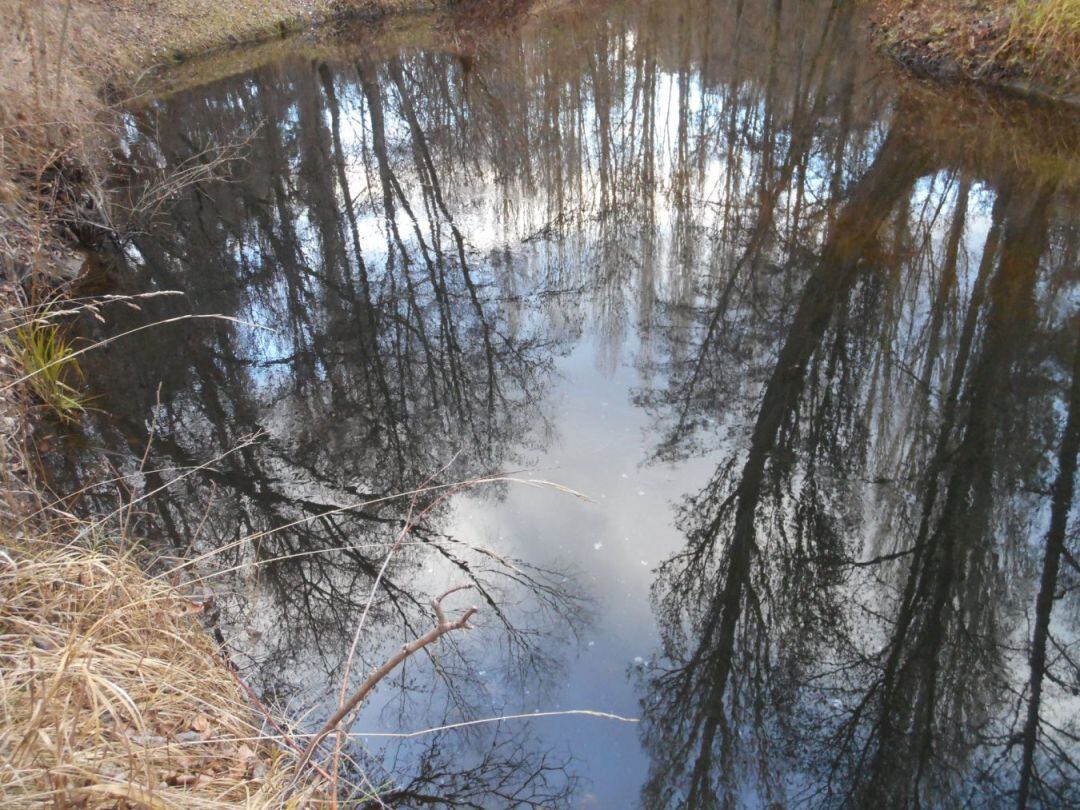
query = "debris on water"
{"x": 597, "y": 546}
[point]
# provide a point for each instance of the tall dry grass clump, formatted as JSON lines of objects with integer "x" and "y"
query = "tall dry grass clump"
{"x": 53, "y": 136}
{"x": 111, "y": 695}
{"x": 1048, "y": 33}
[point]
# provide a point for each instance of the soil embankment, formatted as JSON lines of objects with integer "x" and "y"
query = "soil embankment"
{"x": 1031, "y": 46}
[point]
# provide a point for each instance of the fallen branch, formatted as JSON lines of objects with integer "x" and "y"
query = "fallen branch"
{"x": 441, "y": 628}
{"x": 409, "y": 523}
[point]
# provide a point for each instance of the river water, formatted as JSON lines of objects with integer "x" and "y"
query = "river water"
{"x": 800, "y": 330}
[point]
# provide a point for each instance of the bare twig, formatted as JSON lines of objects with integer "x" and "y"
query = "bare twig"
{"x": 409, "y": 523}
{"x": 442, "y": 627}
{"x": 360, "y": 505}
{"x": 405, "y": 735}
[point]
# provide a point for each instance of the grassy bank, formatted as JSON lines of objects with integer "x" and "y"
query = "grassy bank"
{"x": 1029, "y": 45}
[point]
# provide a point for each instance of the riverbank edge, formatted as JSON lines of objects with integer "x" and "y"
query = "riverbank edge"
{"x": 47, "y": 556}
{"x": 982, "y": 43}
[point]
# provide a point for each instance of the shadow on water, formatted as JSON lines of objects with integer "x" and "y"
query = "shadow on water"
{"x": 807, "y": 332}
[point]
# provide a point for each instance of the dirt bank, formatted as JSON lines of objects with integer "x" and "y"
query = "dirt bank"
{"x": 1032, "y": 46}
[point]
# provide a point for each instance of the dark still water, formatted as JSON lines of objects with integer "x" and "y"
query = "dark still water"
{"x": 803, "y": 330}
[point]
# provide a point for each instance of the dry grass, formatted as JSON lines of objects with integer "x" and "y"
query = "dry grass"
{"x": 1048, "y": 31}
{"x": 1030, "y": 43}
{"x": 111, "y": 695}
{"x": 51, "y": 136}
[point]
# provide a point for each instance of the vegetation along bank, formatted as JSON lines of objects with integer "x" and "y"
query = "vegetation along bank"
{"x": 1032, "y": 46}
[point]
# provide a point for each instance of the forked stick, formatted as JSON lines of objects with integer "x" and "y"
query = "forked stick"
{"x": 441, "y": 628}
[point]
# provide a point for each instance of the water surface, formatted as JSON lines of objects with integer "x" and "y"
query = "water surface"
{"x": 804, "y": 332}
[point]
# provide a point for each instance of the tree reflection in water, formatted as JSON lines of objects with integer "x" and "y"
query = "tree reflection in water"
{"x": 849, "y": 293}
